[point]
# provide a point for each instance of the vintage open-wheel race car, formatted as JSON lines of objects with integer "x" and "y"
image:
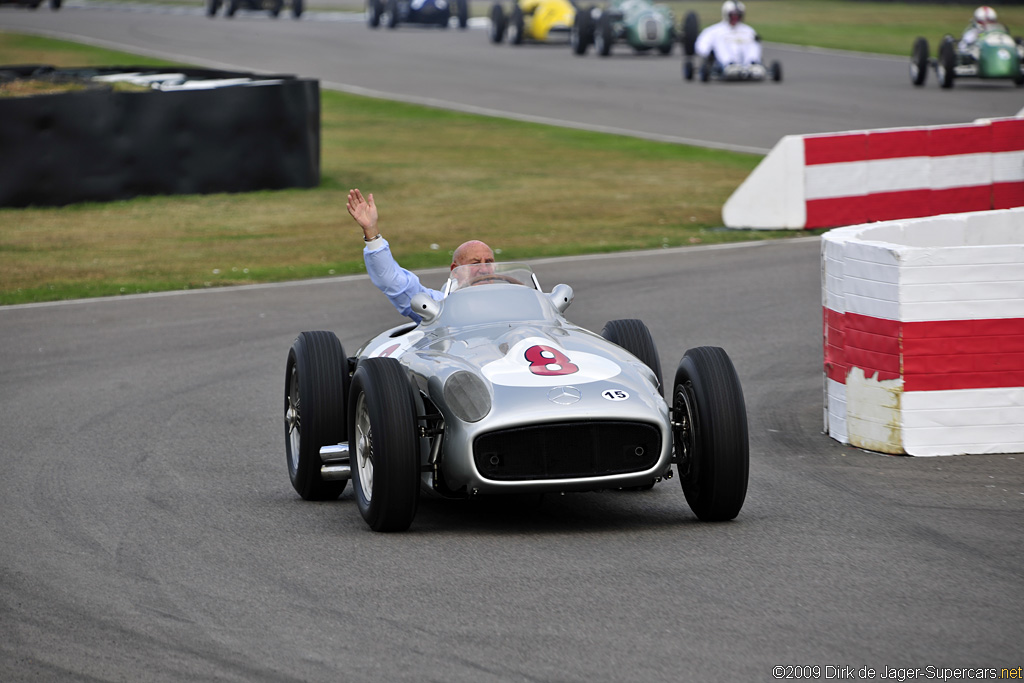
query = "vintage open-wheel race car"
{"x": 495, "y": 392}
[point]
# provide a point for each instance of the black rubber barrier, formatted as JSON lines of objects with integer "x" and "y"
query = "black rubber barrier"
{"x": 102, "y": 145}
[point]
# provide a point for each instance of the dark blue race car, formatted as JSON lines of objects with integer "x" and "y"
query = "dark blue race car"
{"x": 391, "y": 13}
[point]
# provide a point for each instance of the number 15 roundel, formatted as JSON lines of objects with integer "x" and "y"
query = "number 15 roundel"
{"x": 536, "y": 362}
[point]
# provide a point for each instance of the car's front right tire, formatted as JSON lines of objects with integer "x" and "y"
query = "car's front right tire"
{"x": 383, "y": 444}
{"x": 709, "y": 419}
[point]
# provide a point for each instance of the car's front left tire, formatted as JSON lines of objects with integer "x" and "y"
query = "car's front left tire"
{"x": 633, "y": 336}
{"x": 315, "y": 391}
{"x": 384, "y": 446}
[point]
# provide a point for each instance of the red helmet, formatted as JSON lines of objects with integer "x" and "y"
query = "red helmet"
{"x": 984, "y": 16}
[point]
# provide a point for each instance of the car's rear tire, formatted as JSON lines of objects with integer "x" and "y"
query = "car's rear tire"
{"x": 919, "y": 56}
{"x": 373, "y": 12}
{"x": 946, "y": 68}
{"x": 582, "y": 32}
{"x": 710, "y": 434}
{"x": 604, "y": 37}
{"x": 633, "y": 335}
{"x": 384, "y": 445}
{"x": 316, "y": 388}
{"x": 516, "y": 25}
{"x": 497, "y": 32}
{"x": 691, "y": 29}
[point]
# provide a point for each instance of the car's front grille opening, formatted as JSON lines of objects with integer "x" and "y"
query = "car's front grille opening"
{"x": 568, "y": 450}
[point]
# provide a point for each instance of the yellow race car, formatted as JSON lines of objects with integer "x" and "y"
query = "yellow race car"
{"x": 536, "y": 20}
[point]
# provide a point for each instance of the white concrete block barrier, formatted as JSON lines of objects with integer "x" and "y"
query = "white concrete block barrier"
{"x": 924, "y": 334}
{"x": 835, "y": 179}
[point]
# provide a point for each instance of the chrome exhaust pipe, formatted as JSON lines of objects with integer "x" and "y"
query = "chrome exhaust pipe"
{"x": 335, "y": 461}
{"x": 335, "y": 472}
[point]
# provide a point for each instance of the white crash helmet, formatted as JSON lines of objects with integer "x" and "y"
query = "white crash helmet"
{"x": 984, "y": 15}
{"x": 730, "y": 7}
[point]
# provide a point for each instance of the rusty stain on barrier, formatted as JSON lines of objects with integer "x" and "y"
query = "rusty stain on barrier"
{"x": 873, "y": 415}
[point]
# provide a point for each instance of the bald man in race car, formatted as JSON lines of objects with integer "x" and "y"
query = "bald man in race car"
{"x": 397, "y": 283}
{"x": 730, "y": 41}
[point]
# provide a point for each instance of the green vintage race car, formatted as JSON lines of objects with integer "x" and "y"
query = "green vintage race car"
{"x": 641, "y": 24}
{"x": 994, "y": 55}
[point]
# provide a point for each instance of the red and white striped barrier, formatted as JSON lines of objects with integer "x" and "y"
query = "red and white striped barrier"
{"x": 824, "y": 181}
{"x": 924, "y": 334}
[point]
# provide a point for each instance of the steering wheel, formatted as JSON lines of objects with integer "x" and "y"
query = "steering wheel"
{"x": 493, "y": 277}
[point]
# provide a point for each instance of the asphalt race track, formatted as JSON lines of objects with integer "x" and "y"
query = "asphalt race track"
{"x": 150, "y": 532}
{"x": 645, "y": 95}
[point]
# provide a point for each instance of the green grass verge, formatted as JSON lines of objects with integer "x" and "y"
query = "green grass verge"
{"x": 528, "y": 190}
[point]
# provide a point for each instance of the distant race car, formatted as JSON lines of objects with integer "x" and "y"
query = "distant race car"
{"x": 994, "y": 55}
{"x": 712, "y": 69}
{"x": 641, "y": 24}
{"x": 272, "y": 7}
{"x": 33, "y": 4}
{"x": 495, "y": 392}
{"x": 532, "y": 20}
{"x": 391, "y": 13}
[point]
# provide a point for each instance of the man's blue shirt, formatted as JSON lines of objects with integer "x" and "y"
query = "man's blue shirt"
{"x": 397, "y": 283}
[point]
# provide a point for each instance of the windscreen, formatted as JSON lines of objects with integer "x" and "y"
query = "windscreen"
{"x": 478, "y": 274}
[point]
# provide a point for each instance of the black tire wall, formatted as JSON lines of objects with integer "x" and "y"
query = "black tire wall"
{"x": 99, "y": 145}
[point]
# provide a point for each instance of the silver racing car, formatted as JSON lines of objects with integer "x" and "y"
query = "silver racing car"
{"x": 496, "y": 392}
